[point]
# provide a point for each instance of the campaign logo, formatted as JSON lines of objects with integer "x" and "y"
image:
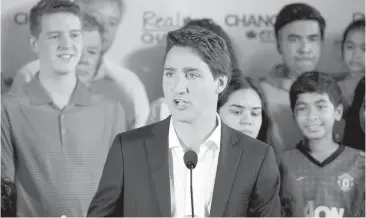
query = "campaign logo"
{"x": 258, "y": 26}
{"x": 345, "y": 182}
{"x": 155, "y": 26}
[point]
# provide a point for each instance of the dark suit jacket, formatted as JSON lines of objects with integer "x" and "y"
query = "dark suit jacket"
{"x": 135, "y": 180}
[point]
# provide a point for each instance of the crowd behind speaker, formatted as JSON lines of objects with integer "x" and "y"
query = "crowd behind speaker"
{"x": 80, "y": 136}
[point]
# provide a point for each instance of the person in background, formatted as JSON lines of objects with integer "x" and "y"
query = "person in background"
{"x": 243, "y": 107}
{"x": 56, "y": 132}
{"x": 89, "y": 65}
{"x": 329, "y": 174}
{"x": 354, "y": 135}
{"x": 109, "y": 14}
{"x": 299, "y": 30}
{"x": 8, "y": 198}
{"x": 353, "y": 53}
{"x": 159, "y": 108}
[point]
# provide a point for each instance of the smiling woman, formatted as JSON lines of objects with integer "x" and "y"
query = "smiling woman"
{"x": 92, "y": 49}
{"x": 109, "y": 14}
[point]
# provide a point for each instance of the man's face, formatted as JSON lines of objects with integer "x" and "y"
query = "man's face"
{"x": 243, "y": 112}
{"x": 92, "y": 49}
{"x": 354, "y": 51}
{"x": 59, "y": 43}
{"x": 108, "y": 14}
{"x": 189, "y": 87}
{"x": 300, "y": 45}
{"x": 315, "y": 115}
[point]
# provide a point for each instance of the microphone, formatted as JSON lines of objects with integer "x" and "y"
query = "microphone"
{"x": 190, "y": 160}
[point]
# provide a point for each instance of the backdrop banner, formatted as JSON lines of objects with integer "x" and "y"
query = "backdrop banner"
{"x": 140, "y": 39}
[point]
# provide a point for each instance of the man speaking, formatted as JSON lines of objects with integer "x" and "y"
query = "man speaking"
{"x": 230, "y": 174}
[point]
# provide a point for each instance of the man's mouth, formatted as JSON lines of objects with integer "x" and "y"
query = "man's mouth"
{"x": 304, "y": 59}
{"x": 65, "y": 56}
{"x": 314, "y": 127}
{"x": 180, "y": 103}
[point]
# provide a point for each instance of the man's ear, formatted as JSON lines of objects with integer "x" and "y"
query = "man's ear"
{"x": 339, "y": 112}
{"x": 33, "y": 41}
{"x": 221, "y": 83}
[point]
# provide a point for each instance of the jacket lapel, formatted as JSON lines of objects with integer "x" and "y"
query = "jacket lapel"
{"x": 229, "y": 159}
{"x": 157, "y": 151}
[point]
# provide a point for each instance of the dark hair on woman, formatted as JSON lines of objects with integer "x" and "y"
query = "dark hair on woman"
{"x": 238, "y": 82}
{"x": 8, "y": 198}
{"x": 354, "y": 25}
{"x": 218, "y": 30}
{"x": 354, "y": 136}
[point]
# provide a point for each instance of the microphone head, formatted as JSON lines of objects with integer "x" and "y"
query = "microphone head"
{"x": 190, "y": 159}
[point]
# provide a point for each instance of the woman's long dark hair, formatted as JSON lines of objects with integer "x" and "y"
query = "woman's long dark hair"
{"x": 354, "y": 136}
{"x": 238, "y": 81}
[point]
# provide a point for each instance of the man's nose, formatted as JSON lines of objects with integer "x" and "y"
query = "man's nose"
{"x": 65, "y": 41}
{"x": 181, "y": 85}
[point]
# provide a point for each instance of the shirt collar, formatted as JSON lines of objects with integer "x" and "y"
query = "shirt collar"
{"x": 215, "y": 136}
{"x": 38, "y": 95}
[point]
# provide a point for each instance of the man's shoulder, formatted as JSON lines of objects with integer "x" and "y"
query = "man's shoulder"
{"x": 352, "y": 151}
{"x": 249, "y": 144}
{"x": 145, "y": 132}
{"x": 291, "y": 153}
{"x": 31, "y": 68}
{"x": 99, "y": 98}
{"x": 12, "y": 99}
{"x": 352, "y": 154}
{"x": 272, "y": 86}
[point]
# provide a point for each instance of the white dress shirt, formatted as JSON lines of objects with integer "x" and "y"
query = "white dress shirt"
{"x": 203, "y": 175}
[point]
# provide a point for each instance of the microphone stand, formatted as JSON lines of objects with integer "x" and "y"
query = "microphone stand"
{"x": 192, "y": 207}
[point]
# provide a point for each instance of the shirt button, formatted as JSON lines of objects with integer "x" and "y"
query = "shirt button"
{"x": 63, "y": 131}
{"x": 62, "y": 117}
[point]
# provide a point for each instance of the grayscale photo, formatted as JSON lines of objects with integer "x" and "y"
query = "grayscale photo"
{"x": 182, "y": 108}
